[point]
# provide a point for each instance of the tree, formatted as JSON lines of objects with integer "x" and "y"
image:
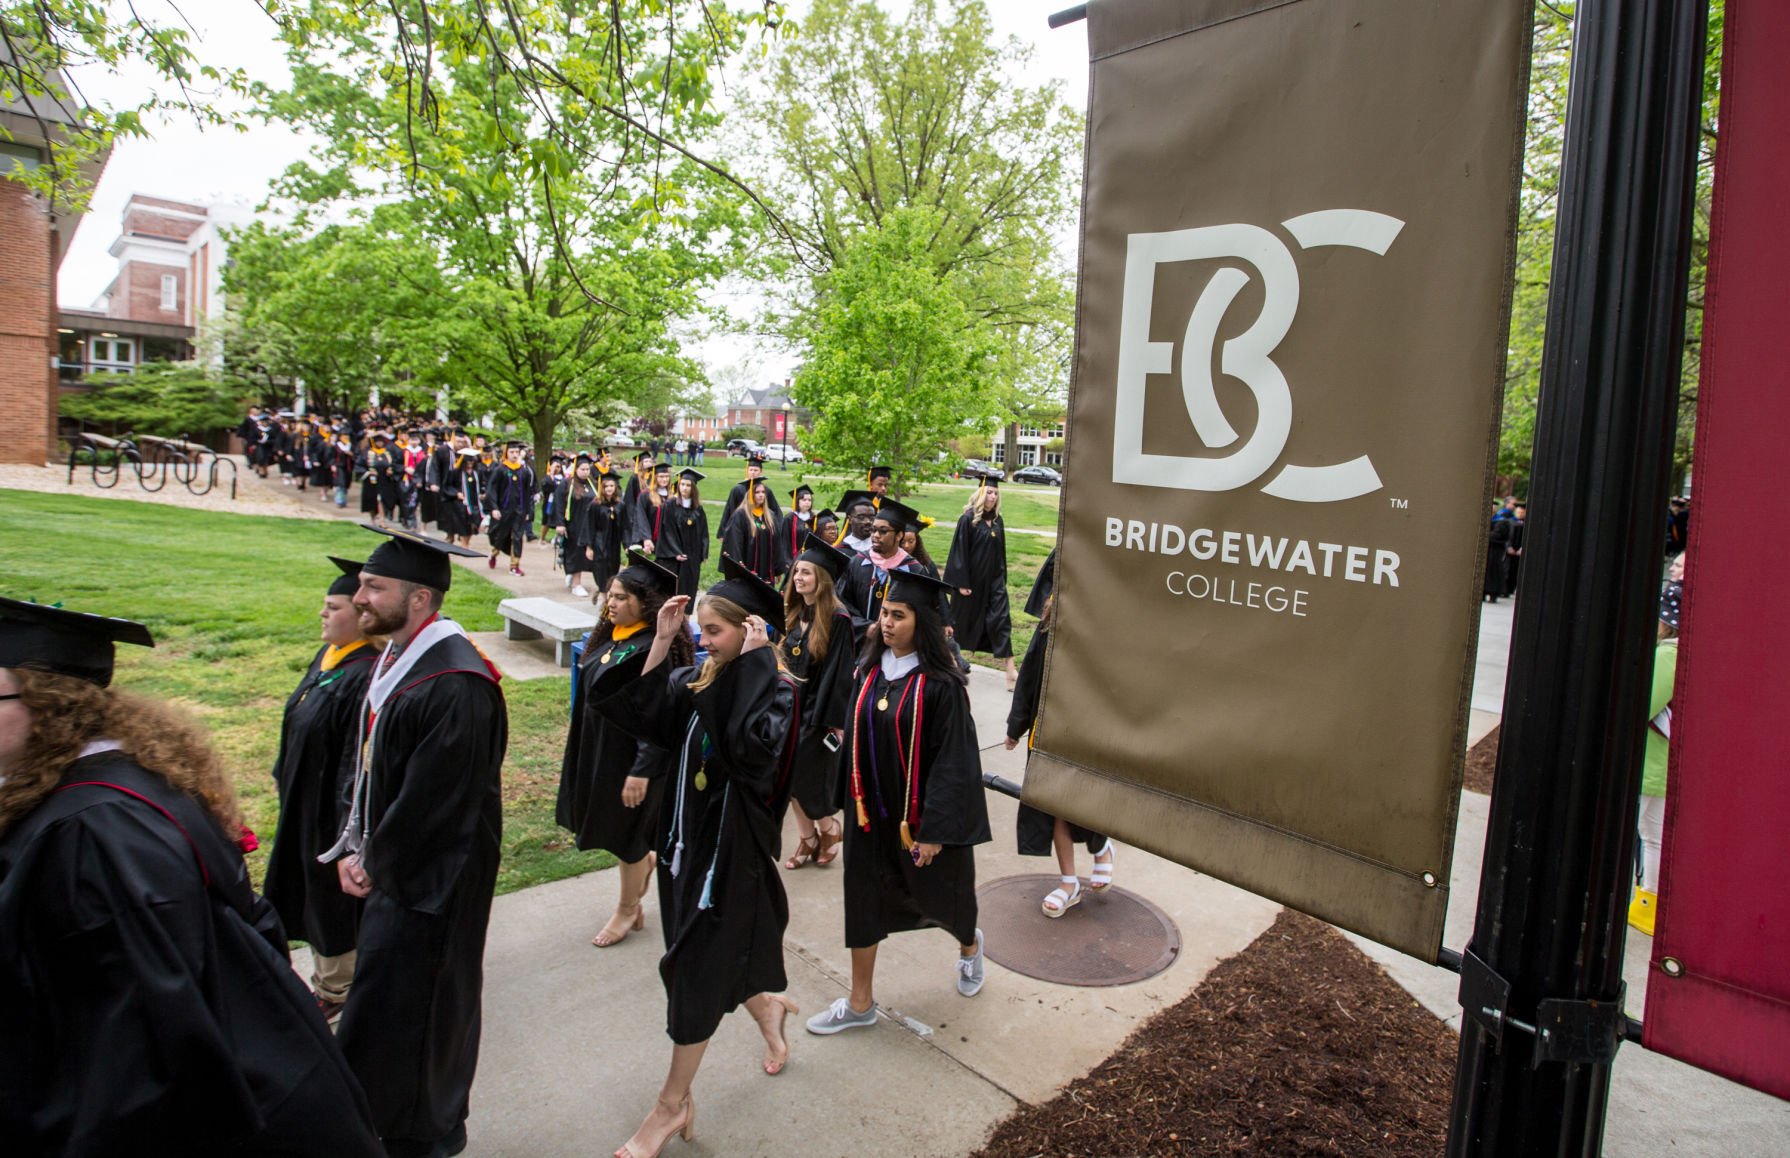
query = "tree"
{"x": 168, "y": 399}
{"x": 862, "y": 115}
{"x": 561, "y": 279}
{"x": 899, "y": 363}
{"x": 344, "y": 311}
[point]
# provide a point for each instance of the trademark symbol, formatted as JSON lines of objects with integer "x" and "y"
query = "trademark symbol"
{"x": 1401, "y": 504}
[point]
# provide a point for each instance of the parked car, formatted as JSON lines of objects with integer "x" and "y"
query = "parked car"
{"x": 782, "y": 452}
{"x": 1047, "y": 475}
{"x": 976, "y": 466}
{"x": 742, "y": 447}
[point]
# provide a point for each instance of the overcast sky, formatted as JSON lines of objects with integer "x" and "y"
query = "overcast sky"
{"x": 217, "y": 165}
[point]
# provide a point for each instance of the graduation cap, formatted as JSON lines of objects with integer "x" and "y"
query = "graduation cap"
{"x": 754, "y": 458}
{"x": 645, "y": 571}
{"x": 70, "y": 643}
{"x": 796, "y": 495}
{"x": 992, "y": 478}
{"x": 920, "y": 524}
{"x": 662, "y": 468}
{"x": 897, "y": 515}
{"x": 877, "y": 472}
{"x": 642, "y": 455}
{"x": 916, "y": 589}
{"x": 851, "y": 499}
{"x": 348, "y": 582}
{"x": 739, "y": 584}
{"x": 691, "y": 473}
{"x": 825, "y": 514}
{"x": 818, "y": 551}
{"x": 412, "y": 558}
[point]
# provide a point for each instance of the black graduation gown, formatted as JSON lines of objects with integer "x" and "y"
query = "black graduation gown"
{"x": 824, "y": 691}
{"x": 435, "y": 812}
{"x": 752, "y": 542}
{"x": 1497, "y": 539}
{"x": 1513, "y": 564}
{"x": 861, "y": 591}
{"x": 680, "y": 530}
{"x": 570, "y": 509}
{"x": 603, "y": 530}
{"x": 509, "y": 499}
{"x": 322, "y": 454}
{"x": 884, "y": 891}
{"x": 1035, "y": 826}
{"x": 379, "y": 486}
{"x": 737, "y": 495}
{"x": 978, "y": 560}
{"x": 721, "y": 893}
{"x": 150, "y": 1007}
{"x": 791, "y": 530}
{"x": 1042, "y": 586}
{"x": 599, "y": 757}
{"x": 312, "y": 772}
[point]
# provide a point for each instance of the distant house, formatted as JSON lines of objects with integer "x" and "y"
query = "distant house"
{"x": 766, "y": 408}
{"x": 1033, "y": 442}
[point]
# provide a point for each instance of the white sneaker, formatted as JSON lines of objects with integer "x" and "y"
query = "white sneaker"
{"x": 581, "y": 591}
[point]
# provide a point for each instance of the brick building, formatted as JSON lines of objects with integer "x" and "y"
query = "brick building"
{"x": 34, "y": 236}
{"x": 764, "y": 408}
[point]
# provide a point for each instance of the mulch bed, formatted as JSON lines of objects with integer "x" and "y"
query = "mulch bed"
{"x": 1482, "y": 761}
{"x": 1299, "y": 1045}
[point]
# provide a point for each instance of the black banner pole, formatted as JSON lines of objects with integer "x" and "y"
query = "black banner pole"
{"x": 1541, "y": 981}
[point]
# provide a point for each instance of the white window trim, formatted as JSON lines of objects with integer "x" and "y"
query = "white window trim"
{"x": 170, "y": 292}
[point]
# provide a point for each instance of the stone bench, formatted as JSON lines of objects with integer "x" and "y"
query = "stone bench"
{"x": 535, "y": 618}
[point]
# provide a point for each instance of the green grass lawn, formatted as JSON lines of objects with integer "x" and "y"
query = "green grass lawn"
{"x": 233, "y": 601}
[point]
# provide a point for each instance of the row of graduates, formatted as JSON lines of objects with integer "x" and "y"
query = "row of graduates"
{"x": 684, "y": 770}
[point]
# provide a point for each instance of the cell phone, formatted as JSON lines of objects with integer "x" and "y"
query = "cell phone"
{"x": 831, "y": 742}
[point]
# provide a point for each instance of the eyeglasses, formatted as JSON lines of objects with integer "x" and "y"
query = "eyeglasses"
{"x": 13, "y": 696}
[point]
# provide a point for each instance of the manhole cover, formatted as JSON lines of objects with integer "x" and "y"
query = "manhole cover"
{"x": 1110, "y": 938}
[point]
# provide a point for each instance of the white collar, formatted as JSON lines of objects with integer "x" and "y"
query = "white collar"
{"x": 387, "y": 681}
{"x": 95, "y": 747}
{"x": 684, "y": 503}
{"x": 856, "y": 544}
{"x": 894, "y": 666}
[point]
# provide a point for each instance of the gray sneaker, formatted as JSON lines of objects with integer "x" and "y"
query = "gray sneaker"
{"x": 969, "y": 971}
{"x": 840, "y": 1016}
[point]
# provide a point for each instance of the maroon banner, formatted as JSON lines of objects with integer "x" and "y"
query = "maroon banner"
{"x": 1718, "y": 995}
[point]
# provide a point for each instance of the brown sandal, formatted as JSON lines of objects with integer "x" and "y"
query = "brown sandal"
{"x": 824, "y": 855}
{"x": 806, "y": 848}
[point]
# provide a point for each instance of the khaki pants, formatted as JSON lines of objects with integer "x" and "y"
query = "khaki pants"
{"x": 331, "y": 976}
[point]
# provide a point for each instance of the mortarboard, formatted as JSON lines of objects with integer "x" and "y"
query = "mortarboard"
{"x": 823, "y": 554}
{"x": 412, "y": 558}
{"x": 348, "y": 582}
{"x": 916, "y": 589}
{"x": 692, "y": 474}
{"x": 740, "y": 585}
{"x": 897, "y": 515}
{"x": 877, "y": 472}
{"x": 646, "y": 571}
{"x": 796, "y": 495}
{"x": 851, "y": 499}
{"x": 70, "y": 643}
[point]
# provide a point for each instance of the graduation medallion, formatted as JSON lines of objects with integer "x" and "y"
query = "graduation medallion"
{"x": 605, "y": 658}
{"x": 702, "y": 780}
{"x": 796, "y": 650}
{"x": 882, "y": 705}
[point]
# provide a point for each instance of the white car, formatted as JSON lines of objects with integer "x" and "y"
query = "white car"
{"x": 782, "y": 452}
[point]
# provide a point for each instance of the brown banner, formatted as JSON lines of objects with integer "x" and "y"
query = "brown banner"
{"x": 1296, "y": 240}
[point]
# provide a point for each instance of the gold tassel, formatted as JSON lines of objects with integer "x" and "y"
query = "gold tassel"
{"x": 907, "y": 836}
{"x": 863, "y": 817}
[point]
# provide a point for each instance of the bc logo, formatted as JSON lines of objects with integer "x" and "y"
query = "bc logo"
{"x": 1248, "y": 357}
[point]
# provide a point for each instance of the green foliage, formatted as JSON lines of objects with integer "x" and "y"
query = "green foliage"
{"x": 865, "y": 114}
{"x": 169, "y": 399}
{"x": 565, "y": 244}
{"x": 899, "y": 362}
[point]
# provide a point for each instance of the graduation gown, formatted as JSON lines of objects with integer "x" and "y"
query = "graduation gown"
{"x": 1497, "y": 541}
{"x": 1035, "y": 826}
{"x": 312, "y": 772}
{"x": 570, "y": 507}
{"x": 509, "y": 500}
{"x": 978, "y": 560}
{"x": 434, "y": 816}
{"x": 824, "y": 689}
{"x": 150, "y": 1006}
{"x": 599, "y": 757}
{"x": 721, "y": 897}
{"x": 862, "y": 589}
{"x": 680, "y": 530}
{"x": 603, "y": 532}
{"x": 737, "y": 495}
{"x": 753, "y": 542}
{"x": 1042, "y": 586}
{"x": 884, "y": 891}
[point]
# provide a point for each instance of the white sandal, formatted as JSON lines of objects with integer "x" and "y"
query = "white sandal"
{"x": 1059, "y": 901}
{"x": 1101, "y": 877}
